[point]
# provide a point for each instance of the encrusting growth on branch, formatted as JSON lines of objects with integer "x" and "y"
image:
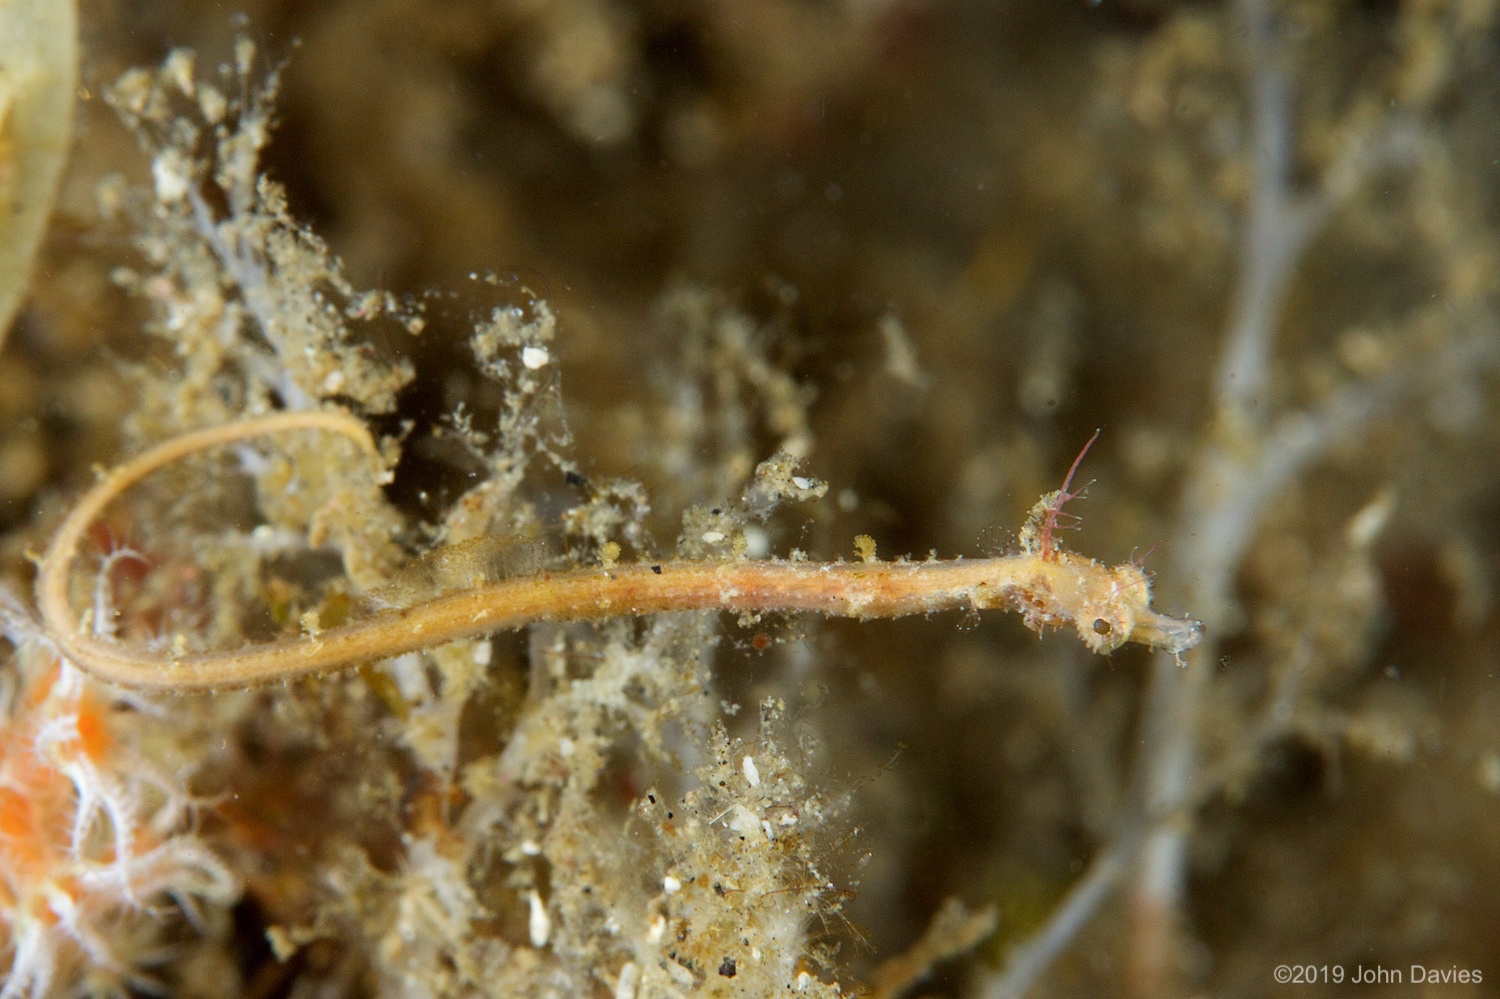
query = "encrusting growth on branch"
{"x": 1107, "y": 606}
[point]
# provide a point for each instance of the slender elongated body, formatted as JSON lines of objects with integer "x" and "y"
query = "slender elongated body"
{"x": 1107, "y": 606}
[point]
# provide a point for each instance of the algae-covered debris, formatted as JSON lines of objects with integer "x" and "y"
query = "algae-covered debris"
{"x": 764, "y": 283}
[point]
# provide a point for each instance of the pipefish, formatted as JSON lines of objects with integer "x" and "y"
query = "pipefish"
{"x": 1106, "y": 606}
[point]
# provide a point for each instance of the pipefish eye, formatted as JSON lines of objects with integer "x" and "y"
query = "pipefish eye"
{"x": 1104, "y": 632}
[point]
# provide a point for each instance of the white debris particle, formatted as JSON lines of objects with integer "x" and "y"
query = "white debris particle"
{"x": 410, "y": 673}
{"x": 900, "y": 355}
{"x": 757, "y": 542}
{"x": 530, "y": 847}
{"x": 212, "y": 104}
{"x": 1365, "y": 526}
{"x": 171, "y": 174}
{"x": 535, "y": 357}
{"x": 244, "y": 56}
{"x": 630, "y": 976}
{"x": 801, "y": 482}
{"x": 539, "y": 925}
{"x": 743, "y": 821}
{"x": 713, "y": 537}
{"x": 658, "y": 927}
{"x": 671, "y": 885}
{"x": 282, "y": 944}
{"x": 803, "y": 981}
{"x": 752, "y": 772}
{"x": 178, "y": 69}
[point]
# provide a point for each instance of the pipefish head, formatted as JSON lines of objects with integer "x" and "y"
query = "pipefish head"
{"x": 1107, "y": 606}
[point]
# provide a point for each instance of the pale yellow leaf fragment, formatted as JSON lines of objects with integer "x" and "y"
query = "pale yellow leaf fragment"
{"x": 38, "y": 69}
